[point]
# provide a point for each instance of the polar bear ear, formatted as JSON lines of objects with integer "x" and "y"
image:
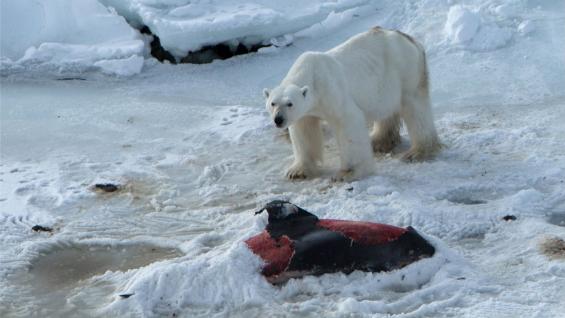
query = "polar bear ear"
{"x": 266, "y": 92}
{"x": 304, "y": 90}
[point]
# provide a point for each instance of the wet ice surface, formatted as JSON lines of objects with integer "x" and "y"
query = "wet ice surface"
{"x": 63, "y": 265}
{"x": 194, "y": 155}
{"x": 59, "y": 274}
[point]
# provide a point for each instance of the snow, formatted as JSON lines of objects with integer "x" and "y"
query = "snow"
{"x": 195, "y": 155}
{"x": 72, "y": 37}
{"x": 469, "y": 29}
{"x": 526, "y": 27}
{"x": 184, "y": 26}
{"x": 122, "y": 67}
{"x": 64, "y": 36}
{"x": 462, "y": 24}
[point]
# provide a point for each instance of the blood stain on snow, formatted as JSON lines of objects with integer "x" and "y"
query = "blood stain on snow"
{"x": 553, "y": 247}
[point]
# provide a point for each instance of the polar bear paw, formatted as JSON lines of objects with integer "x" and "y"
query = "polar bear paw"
{"x": 416, "y": 154}
{"x": 344, "y": 175}
{"x": 297, "y": 171}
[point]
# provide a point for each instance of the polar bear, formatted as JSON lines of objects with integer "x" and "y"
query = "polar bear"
{"x": 375, "y": 78}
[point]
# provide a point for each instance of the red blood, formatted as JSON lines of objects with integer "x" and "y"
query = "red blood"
{"x": 276, "y": 253}
{"x": 364, "y": 232}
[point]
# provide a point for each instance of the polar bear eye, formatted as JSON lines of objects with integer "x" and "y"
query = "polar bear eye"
{"x": 289, "y": 104}
{"x": 273, "y": 104}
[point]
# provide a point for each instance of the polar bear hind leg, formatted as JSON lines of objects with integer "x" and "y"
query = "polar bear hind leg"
{"x": 417, "y": 115}
{"x": 386, "y": 134}
{"x": 307, "y": 144}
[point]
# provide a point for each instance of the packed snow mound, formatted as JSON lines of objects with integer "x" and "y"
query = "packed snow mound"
{"x": 67, "y": 36}
{"x": 189, "y": 25}
{"x": 473, "y": 31}
{"x": 462, "y": 24}
{"x": 122, "y": 67}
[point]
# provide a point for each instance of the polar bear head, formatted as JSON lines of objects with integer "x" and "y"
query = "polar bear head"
{"x": 287, "y": 104}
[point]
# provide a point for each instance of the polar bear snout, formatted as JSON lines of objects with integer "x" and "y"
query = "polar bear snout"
{"x": 279, "y": 121}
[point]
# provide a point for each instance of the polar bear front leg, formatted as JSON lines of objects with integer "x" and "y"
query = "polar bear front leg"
{"x": 307, "y": 145}
{"x": 354, "y": 145}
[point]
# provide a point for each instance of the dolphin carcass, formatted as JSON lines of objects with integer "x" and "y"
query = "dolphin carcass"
{"x": 296, "y": 243}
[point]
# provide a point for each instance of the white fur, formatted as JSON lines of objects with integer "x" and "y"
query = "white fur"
{"x": 375, "y": 78}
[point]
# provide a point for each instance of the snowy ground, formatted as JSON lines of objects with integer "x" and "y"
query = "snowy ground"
{"x": 196, "y": 154}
